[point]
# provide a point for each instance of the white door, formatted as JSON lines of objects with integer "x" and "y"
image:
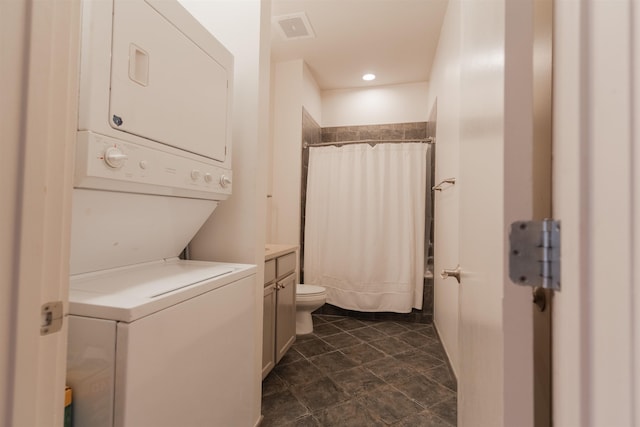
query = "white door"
{"x": 596, "y": 191}
{"x": 498, "y": 185}
{"x": 481, "y": 187}
{"x": 38, "y": 64}
{"x": 444, "y": 94}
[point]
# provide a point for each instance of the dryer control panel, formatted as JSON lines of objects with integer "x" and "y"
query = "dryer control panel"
{"x": 106, "y": 163}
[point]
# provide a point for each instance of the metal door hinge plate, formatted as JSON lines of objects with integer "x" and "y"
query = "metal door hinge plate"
{"x": 534, "y": 253}
{"x": 51, "y": 317}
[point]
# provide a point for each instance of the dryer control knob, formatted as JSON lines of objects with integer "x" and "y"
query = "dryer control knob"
{"x": 195, "y": 174}
{"x": 208, "y": 177}
{"x": 225, "y": 181}
{"x": 114, "y": 157}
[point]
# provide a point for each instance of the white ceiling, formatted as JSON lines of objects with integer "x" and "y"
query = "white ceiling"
{"x": 394, "y": 39}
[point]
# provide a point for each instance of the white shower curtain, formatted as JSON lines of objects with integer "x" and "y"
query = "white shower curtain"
{"x": 365, "y": 225}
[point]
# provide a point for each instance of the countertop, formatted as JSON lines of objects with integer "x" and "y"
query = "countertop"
{"x": 272, "y": 251}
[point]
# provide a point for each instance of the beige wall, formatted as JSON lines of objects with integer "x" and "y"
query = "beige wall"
{"x": 235, "y": 232}
{"x": 293, "y": 89}
{"x": 311, "y": 95}
{"x": 287, "y": 132}
{"x": 402, "y": 103}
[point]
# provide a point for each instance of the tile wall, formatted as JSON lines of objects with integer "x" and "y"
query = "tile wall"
{"x": 408, "y": 131}
{"x": 311, "y": 134}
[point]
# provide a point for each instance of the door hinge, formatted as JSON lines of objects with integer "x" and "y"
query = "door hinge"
{"x": 534, "y": 253}
{"x": 51, "y": 317}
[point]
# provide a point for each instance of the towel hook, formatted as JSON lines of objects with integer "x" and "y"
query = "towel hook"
{"x": 444, "y": 181}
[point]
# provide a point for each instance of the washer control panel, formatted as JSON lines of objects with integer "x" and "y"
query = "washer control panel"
{"x": 107, "y": 163}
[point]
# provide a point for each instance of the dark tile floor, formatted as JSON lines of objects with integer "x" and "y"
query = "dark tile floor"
{"x": 359, "y": 373}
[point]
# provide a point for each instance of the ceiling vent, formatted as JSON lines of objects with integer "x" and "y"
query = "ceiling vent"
{"x": 294, "y": 26}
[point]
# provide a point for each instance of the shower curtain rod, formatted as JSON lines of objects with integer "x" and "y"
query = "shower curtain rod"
{"x": 369, "y": 141}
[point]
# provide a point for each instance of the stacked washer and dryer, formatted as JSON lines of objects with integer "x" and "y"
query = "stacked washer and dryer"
{"x": 154, "y": 340}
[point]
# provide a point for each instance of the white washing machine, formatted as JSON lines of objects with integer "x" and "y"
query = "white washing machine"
{"x": 155, "y": 340}
{"x": 166, "y": 343}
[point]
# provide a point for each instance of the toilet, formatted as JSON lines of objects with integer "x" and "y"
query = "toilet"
{"x": 308, "y": 298}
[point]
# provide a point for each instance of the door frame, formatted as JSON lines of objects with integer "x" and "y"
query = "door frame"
{"x": 596, "y": 331}
{"x": 39, "y": 111}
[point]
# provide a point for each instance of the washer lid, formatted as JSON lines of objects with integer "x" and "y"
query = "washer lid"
{"x": 309, "y": 290}
{"x": 129, "y": 293}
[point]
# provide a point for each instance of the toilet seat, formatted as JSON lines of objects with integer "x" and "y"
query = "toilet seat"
{"x": 310, "y": 290}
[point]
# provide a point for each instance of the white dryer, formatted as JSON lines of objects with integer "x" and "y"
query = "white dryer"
{"x": 155, "y": 340}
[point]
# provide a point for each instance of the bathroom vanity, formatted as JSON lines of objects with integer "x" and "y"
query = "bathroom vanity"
{"x": 279, "y": 327}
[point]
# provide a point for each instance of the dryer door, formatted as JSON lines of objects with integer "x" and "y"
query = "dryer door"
{"x": 164, "y": 85}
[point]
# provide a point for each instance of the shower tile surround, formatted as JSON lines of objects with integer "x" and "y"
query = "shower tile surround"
{"x": 406, "y": 131}
{"x": 350, "y": 372}
{"x": 312, "y": 133}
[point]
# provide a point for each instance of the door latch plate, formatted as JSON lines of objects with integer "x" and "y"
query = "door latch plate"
{"x": 51, "y": 313}
{"x": 534, "y": 253}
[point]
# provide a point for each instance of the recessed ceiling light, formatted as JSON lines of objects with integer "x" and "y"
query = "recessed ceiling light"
{"x": 369, "y": 77}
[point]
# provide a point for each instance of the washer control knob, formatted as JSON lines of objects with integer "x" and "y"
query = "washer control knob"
{"x": 195, "y": 174}
{"x": 225, "y": 181}
{"x": 208, "y": 177}
{"x": 114, "y": 157}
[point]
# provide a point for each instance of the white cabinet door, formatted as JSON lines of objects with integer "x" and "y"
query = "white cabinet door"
{"x": 286, "y": 315}
{"x": 269, "y": 330}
